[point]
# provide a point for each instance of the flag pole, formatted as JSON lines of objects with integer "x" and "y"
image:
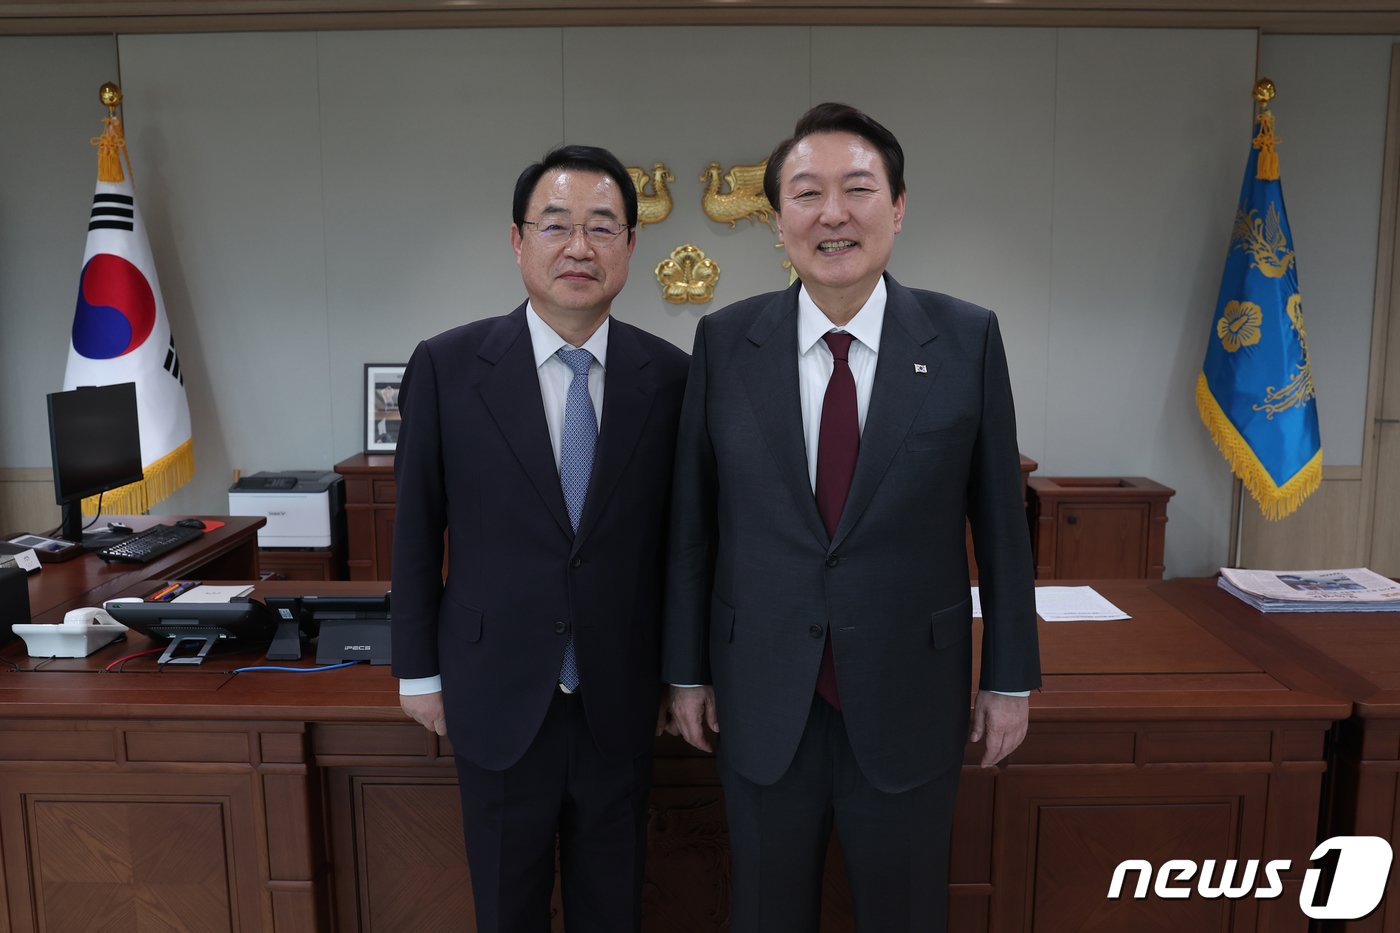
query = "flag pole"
{"x": 1236, "y": 522}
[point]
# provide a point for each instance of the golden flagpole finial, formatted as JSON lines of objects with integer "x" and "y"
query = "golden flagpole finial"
{"x": 1264, "y": 91}
{"x": 1265, "y": 140}
{"x": 110, "y": 95}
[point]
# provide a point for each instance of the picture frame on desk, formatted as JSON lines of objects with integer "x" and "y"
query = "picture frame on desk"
{"x": 382, "y": 405}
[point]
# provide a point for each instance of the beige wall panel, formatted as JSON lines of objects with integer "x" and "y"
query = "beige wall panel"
{"x": 225, "y": 140}
{"x": 1321, "y": 533}
{"x": 26, "y": 501}
{"x": 422, "y": 137}
{"x": 1385, "y": 540}
{"x": 48, "y": 170}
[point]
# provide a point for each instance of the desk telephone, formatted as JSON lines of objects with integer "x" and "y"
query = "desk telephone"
{"x": 81, "y": 632}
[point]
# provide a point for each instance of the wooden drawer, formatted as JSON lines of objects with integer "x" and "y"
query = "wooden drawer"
{"x": 288, "y": 564}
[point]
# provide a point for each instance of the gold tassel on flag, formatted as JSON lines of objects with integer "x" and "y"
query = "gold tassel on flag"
{"x": 161, "y": 479}
{"x": 111, "y": 145}
{"x": 1264, "y": 140}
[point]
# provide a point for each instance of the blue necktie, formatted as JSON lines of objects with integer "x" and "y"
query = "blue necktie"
{"x": 576, "y": 466}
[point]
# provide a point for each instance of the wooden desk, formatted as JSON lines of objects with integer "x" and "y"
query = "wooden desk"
{"x": 1357, "y": 655}
{"x": 229, "y": 553}
{"x": 306, "y": 802}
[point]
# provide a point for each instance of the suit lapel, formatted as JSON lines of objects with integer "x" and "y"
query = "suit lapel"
{"x": 898, "y": 393}
{"x": 770, "y": 377}
{"x": 627, "y": 399}
{"x": 511, "y": 393}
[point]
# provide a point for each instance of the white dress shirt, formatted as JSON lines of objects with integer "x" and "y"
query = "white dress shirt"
{"x": 555, "y": 377}
{"x": 815, "y": 362}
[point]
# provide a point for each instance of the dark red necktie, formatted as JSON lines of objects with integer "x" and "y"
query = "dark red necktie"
{"x": 838, "y": 443}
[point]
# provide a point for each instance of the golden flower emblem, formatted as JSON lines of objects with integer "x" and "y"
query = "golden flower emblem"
{"x": 1239, "y": 325}
{"x": 687, "y": 276}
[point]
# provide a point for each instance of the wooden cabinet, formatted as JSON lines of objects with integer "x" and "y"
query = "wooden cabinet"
{"x": 1089, "y": 527}
{"x": 369, "y": 515}
{"x": 303, "y": 563}
{"x": 158, "y": 825}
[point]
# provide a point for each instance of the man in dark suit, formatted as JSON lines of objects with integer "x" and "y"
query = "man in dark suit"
{"x": 834, "y": 438}
{"x": 542, "y": 443}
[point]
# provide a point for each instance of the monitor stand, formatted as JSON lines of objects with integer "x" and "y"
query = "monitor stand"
{"x": 72, "y": 530}
{"x": 96, "y": 540}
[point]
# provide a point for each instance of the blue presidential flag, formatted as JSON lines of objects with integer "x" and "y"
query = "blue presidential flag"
{"x": 1255, "y": 392}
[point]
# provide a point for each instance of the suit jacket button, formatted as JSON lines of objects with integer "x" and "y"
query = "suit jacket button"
{"x": 561, "y": 627}
{"x": 816, "y": 631}
{"x": 576, "y": 562}
{"x": 833, "y": 561}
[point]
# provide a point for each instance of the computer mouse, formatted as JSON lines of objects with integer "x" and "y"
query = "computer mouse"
{"x": 118, "y": 528}
{"x": 190, "y": 523}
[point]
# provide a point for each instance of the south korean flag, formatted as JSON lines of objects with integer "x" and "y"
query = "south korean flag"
{"x": 121, "y": 333}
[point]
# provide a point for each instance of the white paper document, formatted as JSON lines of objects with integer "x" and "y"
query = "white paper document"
{"x": 1075, "y": 604}
{"x": 212, "y": 594}
{"x": 1065, "y": 604}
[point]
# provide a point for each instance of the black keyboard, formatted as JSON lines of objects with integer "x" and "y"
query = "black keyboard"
{"x": 145, "y": 546}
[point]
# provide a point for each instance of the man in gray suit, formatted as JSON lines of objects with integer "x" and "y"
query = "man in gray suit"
{"x": 833, "y": 439}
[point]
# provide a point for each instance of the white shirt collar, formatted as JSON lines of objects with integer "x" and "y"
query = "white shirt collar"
{"x": 866, "y": 326}
{"x": 546, "y": 341}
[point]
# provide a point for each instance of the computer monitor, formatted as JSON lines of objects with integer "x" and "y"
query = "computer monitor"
{"x": 194, "y": 628}
{"x": 96, "y": 443}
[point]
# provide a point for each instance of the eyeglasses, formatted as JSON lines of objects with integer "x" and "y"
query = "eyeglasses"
{"x": 558, "y": 230}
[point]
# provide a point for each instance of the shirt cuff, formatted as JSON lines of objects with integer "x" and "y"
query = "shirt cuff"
{"x": 418, "y": 686}
{"x": 687, "y": 686}
{"x": 1009, "y": 693}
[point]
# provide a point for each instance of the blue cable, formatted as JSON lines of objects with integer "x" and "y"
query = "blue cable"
{"x": 296, "y": 670}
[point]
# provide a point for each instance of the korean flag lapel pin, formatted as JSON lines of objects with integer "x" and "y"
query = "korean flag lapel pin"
{"x": 921, "y": 369}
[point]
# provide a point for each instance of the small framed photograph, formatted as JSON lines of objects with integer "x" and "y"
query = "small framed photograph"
{"x": 382, "y": 405}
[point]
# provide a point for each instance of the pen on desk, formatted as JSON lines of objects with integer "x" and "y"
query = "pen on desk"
{"x": 171, "y": 590}
{"x": 184, "y": 586}
{"x": 160, "y": 594}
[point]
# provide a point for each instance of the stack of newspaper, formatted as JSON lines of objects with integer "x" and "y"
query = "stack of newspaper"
{"x": 1354, "y": 590}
